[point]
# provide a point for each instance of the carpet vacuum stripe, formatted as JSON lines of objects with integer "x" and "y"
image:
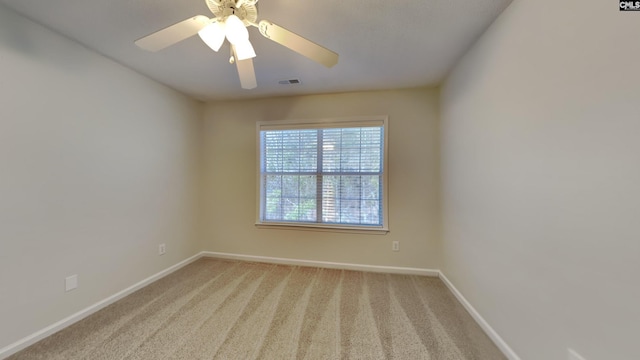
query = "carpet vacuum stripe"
{"x": 225, "y": 309}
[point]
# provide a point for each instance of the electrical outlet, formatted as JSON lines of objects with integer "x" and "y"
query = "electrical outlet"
{"x": 162, "y": 249}
{"x": 395, "y": 246}
{"x": 70, "y": 282}
{"x": 573, "y": 355}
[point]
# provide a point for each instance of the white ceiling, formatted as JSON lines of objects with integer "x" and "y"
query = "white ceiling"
{"x": 382, "y": 44}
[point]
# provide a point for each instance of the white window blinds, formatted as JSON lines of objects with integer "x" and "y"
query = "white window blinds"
{"x": 323, "y": 174}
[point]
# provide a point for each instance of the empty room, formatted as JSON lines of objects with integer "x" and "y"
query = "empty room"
{"x": 243, "y": 179}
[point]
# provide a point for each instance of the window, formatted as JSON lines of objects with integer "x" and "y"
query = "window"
{"x": 323, "y": 174}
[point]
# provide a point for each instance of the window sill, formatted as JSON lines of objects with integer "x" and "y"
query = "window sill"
{"x": 324, "y": 228}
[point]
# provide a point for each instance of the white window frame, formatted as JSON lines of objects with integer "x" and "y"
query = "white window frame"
{"x": 361, "y": 121}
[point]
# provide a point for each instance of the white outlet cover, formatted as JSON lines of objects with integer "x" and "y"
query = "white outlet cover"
{"x": 573, "y": 355}
{"x": 70, "y": 282}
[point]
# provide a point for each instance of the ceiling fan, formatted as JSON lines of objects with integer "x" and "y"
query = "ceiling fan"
{"x": 232, "y": 17}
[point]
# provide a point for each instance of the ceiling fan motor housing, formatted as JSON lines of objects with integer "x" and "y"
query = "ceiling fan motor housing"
{"x": 247, "y": 11}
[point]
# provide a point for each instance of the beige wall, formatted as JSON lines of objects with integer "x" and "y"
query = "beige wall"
{"x": 539, "y": 170}
{"x": 541, "y": 173}
{"x": 98, "y": 165}
{"x": 230, "y": 153}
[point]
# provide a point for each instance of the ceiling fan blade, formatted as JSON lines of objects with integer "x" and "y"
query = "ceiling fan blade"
{"x": 173, "y": 34}
{"x": 297, "y": 43}
{"x": 246, "y": 72}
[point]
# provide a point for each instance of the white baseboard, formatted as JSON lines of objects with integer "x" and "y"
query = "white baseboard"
{"x": 39, "y": 335}
{"x": 493, "y": 335}
{"x": 324, "y": 264}
{"x": 51, "y": 329}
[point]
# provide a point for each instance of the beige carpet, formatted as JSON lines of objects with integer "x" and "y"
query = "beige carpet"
{"x": 216, "y": 309}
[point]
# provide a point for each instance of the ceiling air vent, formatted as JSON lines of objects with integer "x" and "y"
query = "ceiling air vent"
{"x": 289, "y": 82}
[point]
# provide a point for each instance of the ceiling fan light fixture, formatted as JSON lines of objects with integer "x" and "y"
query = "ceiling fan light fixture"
{"x": 244, "y": 50}
{"x": 213, "y": 35}
{"x": 226, "y": 24}
{"x": 235, "y": 30}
